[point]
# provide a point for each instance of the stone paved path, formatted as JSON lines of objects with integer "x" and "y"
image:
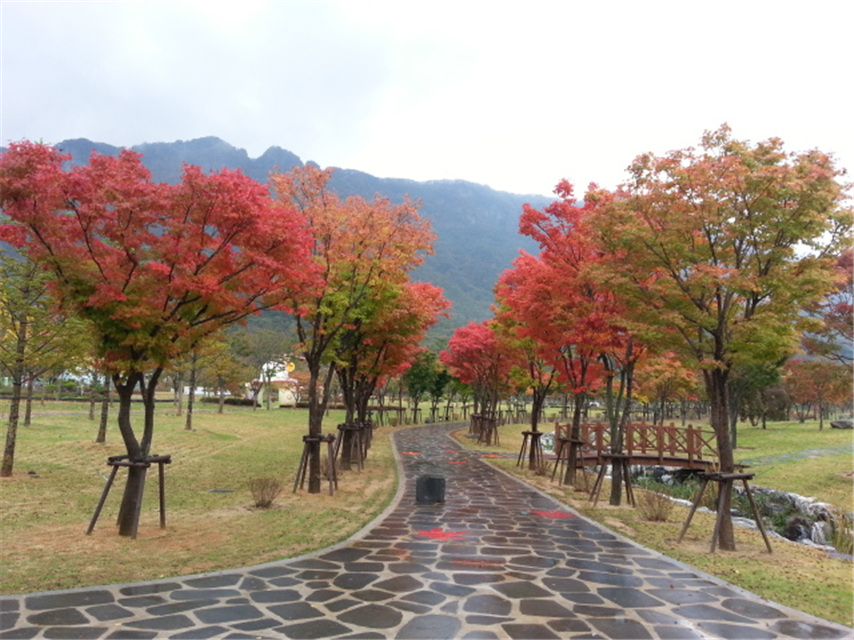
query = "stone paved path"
{"x": 496, "y": 560}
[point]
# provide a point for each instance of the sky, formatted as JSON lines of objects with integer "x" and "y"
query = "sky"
{"x": 513, "y": 95}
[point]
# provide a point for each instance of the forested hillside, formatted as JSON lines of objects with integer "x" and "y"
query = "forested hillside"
{"x": 476, "y": 226}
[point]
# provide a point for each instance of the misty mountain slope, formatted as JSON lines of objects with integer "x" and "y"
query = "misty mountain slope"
{"x": 476, "y": 226}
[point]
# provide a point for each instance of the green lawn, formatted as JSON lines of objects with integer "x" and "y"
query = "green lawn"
{"x": 800, "y": 458}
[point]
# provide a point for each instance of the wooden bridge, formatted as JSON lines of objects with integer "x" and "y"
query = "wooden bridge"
{"x": 644, "y": 444}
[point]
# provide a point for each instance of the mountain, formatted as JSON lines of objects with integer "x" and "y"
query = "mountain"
{"x": 476, "y": 226}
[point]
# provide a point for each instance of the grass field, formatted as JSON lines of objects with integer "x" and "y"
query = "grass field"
{"x": 800, "y": 458}
{"x": 212, "y": 524}
{"x": 211, "y": 521}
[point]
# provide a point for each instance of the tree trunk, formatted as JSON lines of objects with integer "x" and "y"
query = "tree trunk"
{"x": 18, "y": 371}
{"x": 536, "y": 407}
{"x": 191, "y": 397}
{"x": 627, "y": 398}
{"x": 149, "y": 390}
{"x": 137, "y": 450}
{"x": 221, "y": 403}
{"x": 316, "y": 409}
{"x": 578, "y": 402}
{"x": 105, "y": 412}
{"x": 716, "y": 389}
{"x": 28, "y": 400}
{"x": 11, "y": 430}
{"x": 92, "y": 400}
{"x": 128, "y": 520}
{"x": 734, "y": 397}
{"x": 178, "y": 388}
{"x": 268, "y": 388}
{"x": 128, "y": 509}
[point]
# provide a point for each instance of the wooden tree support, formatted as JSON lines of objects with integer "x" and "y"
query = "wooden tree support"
{"x": 617, "y": 460}
{"x": 306, "y": 455}
{"x": 367, "y": 435}
{"x": 724, "y": 481}
{"x": 563, "y": 459}
{"x": 352, "y": 443}
{"x": 536, "y": 448}
{"x": 123, "y": 461}
{"x": 487, "y": 430}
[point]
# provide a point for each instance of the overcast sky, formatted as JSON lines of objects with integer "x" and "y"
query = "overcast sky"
{"x": 515, "y": 95}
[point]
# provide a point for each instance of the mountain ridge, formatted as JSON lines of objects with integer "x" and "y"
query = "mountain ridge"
{"x": 476, "y": 226}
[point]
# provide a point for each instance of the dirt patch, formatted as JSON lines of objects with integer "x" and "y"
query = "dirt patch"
{"x": 618, "y": 525}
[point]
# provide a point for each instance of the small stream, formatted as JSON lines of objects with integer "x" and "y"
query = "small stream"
{"x": 788, "y": 515}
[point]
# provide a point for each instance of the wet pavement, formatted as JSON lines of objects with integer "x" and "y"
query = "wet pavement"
{"x": 497, "y": 559}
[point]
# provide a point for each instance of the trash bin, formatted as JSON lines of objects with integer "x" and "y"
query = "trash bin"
{"x": 429, "y": 489}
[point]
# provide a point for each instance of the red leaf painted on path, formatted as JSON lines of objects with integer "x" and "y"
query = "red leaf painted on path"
{"x": 410, "y": 453}
{"x": 438, "y": 534}
{"x": 458, "y": 462}
{"x": 552, "y": 514}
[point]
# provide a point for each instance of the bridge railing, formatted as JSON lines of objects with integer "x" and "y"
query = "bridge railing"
{"x": 647, "y": 442}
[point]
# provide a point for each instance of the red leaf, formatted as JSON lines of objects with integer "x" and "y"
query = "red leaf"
{"x": 438, "y": 534}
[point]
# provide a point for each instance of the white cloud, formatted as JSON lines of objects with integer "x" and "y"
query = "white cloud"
{"x": 513, "y": 95}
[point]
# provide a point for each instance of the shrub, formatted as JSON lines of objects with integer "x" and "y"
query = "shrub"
{"x": 265, "y": 491}
{"x": 843, "y": 534}
{"x": 710, "y": 497}
{"x": 654, "y": 506}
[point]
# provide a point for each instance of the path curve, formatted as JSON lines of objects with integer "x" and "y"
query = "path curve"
{"x": 498, "y": 559}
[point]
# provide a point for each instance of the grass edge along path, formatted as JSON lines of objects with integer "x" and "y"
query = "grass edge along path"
{"x": 794, "y": 575}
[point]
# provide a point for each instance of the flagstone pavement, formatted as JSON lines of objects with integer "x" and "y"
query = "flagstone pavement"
{"x": 496, "y": 559}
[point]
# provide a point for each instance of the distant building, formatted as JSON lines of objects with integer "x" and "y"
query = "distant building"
{"x": 275, "y": 381}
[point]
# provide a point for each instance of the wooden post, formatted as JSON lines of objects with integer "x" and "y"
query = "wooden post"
{"x": 162, "y": 494}
{"x": 102, "y": 500}
{"x": 122, "y": 461}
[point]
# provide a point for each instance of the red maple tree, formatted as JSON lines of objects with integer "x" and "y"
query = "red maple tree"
{"x": 562, "y": 302}
{"x": 153, "y": 268}
{"x": 478, "y": 357}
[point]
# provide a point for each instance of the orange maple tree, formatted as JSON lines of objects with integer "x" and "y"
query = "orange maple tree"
{"x": 816, "y": 384}
{"x": 385, "y": 339}
{"x": 722, "y": 246}
{"x": 359, "y": 246}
